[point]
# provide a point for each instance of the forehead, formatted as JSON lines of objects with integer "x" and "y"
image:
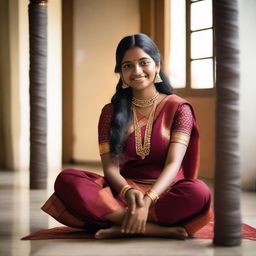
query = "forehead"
{"x": 134, "y": 54}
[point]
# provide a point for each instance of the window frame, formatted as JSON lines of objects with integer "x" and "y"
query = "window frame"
{"x": 188, "y": 91}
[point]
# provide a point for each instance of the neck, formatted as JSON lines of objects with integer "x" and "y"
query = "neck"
{"x": 146, "y": 93}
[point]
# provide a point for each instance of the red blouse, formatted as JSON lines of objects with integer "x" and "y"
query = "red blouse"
{"x": 183, "y": 122}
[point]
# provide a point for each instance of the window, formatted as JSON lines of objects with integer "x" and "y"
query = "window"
{"x": 191, "y": 58}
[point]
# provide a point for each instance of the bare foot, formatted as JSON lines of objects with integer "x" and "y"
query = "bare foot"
{"x": 112, "y": 232}
{"x": 152, "y": 230}
{"x": 156, "y": 230}
{"x": 178, "y": 233}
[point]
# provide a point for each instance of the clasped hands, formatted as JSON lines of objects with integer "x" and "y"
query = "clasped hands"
{"x": 135, "y": 218}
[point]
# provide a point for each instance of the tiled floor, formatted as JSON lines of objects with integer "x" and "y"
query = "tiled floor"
{"x": 20, "y": 215}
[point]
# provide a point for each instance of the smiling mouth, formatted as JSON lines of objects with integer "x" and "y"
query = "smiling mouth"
{"x": 138, "y": 78}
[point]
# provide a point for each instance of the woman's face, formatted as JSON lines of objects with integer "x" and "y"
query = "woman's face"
{"x": 138, "y": 69}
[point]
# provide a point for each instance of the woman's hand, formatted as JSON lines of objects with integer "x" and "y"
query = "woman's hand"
{"x": 135, "y": 222}
{"x": 134, "y": 199}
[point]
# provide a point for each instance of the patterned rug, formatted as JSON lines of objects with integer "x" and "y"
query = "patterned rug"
{"x": 74, "y": 233}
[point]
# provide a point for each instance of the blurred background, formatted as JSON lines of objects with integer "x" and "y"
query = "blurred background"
{"x": 82, "y": 38}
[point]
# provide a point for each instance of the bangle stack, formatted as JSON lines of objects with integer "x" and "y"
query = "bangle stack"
{"x": 124, "y": 190}
{"x": 153, "y": 196}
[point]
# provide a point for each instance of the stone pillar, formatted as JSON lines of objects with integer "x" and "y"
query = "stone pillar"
{"x": 227, "y": 230}
{"x": 37, "y": 90}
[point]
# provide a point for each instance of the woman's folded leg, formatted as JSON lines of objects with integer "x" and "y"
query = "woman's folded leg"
{"x": 86, "y": 194}
{"x": 187, "y": 200}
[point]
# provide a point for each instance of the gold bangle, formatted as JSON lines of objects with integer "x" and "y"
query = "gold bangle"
{"x": 124, "y": 190}
{"x": 153, "y": 196}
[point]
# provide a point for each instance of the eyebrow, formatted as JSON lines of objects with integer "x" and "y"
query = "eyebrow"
{"x": 129, "y": 61}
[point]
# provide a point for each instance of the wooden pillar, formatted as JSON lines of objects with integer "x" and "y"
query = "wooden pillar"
{"x": 37, "y": 90}
{"x": 227, "y": 230}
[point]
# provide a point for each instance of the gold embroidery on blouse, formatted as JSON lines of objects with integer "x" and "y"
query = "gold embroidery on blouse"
{"x": 104, "y": 148}
{"x": 180, "y": 137}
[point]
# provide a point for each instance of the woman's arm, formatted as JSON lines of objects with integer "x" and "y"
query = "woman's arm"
{"x": 117, "y": 182}
{"x": 112, "y": 172}
{"x": 173, "y": 162}
{"x": 137, "y": 222}
{"x": 180, "y": 136}
{"x": 111, "y": 165}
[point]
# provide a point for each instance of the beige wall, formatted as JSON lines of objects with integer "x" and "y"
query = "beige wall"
{"x": 205, "y": 107}
{"x": 205, "y": 113}
{"x": 14, "y": 84}
{"x": 98, "y": 27}
{"x": 54, "y": 91}
{"x": 67, "y": 80}
{"x": 94, "y": 81}
{"x": 23, "y": 85}
{"x": 247, "y": 24}
{"x": 5, "y": 151}
{"x": 13, "y": 142}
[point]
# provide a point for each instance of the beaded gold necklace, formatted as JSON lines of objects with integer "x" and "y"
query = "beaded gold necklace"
{"x": 144, "y": 150}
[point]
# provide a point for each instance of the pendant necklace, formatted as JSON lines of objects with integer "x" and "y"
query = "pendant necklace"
{"x": 144, "y": 150}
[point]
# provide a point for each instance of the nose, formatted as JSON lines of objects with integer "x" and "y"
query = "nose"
{"x": 137, "y": 69}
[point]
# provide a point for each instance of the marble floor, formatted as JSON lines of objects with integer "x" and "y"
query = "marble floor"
{"x": 20, "y": 215}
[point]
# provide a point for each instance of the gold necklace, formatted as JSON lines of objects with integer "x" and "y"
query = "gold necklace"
{"x": 145, "y": 103}
{"x": 144, "y": 150}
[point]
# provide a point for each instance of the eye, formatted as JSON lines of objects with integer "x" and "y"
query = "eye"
{"x": 144, "y": 63}
{"x": 127, "y": 66}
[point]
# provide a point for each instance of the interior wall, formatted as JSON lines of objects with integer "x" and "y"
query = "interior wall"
{"x": 98, "y": 27}
{"x": 5, "y": 150}
{"x": 22, "y": 108}
{"x": 94, "y": 80}
{"x": 67, "y": 80}
{"x": 14, "y": 84}
{"x": 205, "y": 107}
{"x": 15, "y": 108}
{"x": 54, "y": 91}
{"x": 247, "y": 24}
{"x": 205, "y": 114}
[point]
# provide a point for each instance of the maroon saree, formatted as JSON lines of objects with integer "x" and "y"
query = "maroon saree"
{"x": 87, "y": 197}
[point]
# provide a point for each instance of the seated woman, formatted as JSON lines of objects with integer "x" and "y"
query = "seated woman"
{"x": 149, "y": 147}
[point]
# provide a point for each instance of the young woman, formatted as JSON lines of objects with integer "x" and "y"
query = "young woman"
{"x": 149, "y": 147}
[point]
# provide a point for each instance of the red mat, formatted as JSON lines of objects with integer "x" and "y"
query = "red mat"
{"x": 74, "y": 233}
{"x": 206, "y": 232}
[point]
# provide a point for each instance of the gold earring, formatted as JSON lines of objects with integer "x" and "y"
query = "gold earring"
{"x": 158, "y": 79}
{"x": 124, "y": 86}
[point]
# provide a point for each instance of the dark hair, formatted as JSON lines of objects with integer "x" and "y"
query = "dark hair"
{"x": 121, "y": 100}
